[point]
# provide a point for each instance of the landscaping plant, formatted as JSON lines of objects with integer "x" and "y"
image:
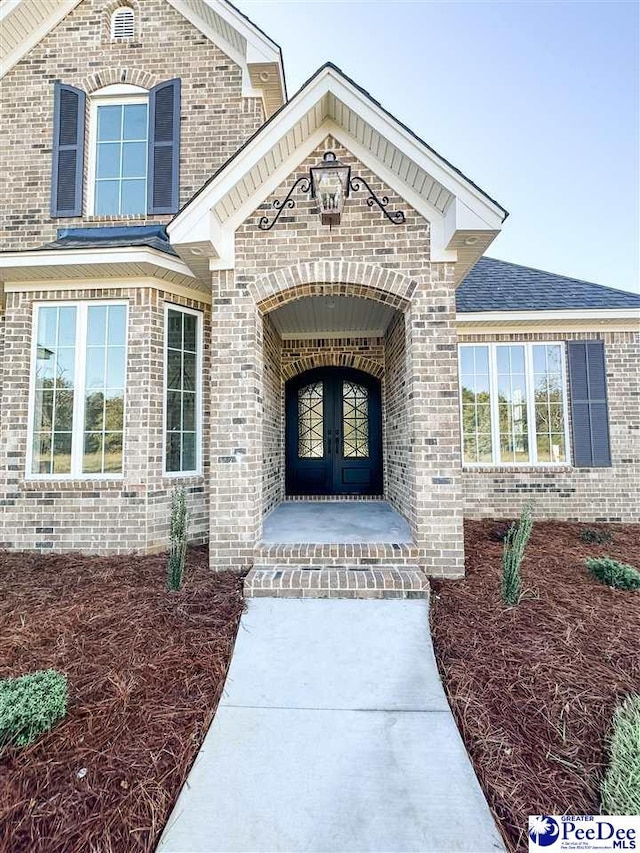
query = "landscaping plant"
{"x": 31, "y": 705}
{"x": 621, "y": 784}
{"x": 514, "y": 544}
{"x": 613, "y": 573}
{"x": 177, "y": 538}
{"x": 596, "y": 537}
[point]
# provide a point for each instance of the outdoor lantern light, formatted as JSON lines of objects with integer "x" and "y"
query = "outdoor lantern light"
{"x": 330, "y": 186}
{"x": 330, "y": 183}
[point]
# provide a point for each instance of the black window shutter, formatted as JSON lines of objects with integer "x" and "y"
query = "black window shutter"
{"x": 589, "y": 410}
{"x": 68, "y": 150}
{"x": 164, "y": 148}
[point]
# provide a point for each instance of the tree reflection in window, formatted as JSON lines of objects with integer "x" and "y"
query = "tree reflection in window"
{"x": 355, "y": 420}
{"x": 311, "y": 421}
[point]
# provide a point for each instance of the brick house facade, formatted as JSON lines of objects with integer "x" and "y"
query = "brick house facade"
{"x": 188, "y": 115}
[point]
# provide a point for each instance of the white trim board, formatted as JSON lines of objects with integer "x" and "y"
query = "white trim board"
{"x": 140, "y": 283}
{"x": 212, "y": 215}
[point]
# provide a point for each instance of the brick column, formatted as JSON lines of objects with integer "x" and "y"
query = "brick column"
{"x": 236, "y": 434}
{"x": 434, "y": 429}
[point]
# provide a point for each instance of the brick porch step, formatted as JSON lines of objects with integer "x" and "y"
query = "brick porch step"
{"x": 371, "y": 555}
{"x": 383, "y": 581}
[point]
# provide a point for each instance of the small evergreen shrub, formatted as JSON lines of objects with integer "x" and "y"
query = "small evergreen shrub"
{"x": 613, "y": 573}
{"x": 514, "y": 544}
{"x": 621, "y": 784}
{"x": 596, "y": 537}
{"x": 31, "y": 705}
{"x": 177, "y": 538}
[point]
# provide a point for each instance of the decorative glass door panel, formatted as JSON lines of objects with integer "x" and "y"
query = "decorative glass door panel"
{"x": 333, "y": 433}
{"x": 311, "y": 421}
{"x": 355, "y": 421}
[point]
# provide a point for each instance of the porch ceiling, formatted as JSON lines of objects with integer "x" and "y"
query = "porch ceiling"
{"x": 332, "y": 317}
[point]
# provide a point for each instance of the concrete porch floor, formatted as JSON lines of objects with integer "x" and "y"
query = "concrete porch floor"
{"x": 335, "y": 522}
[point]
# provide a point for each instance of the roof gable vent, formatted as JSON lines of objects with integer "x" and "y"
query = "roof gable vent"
{"x": 123, "y": 23}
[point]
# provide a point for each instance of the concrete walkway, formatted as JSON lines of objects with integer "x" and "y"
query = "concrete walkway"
{"x": 333, "y": 734}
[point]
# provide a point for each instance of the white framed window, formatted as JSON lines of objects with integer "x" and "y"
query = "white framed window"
{"x": 77, "y": 391}
{"x": 118, "y": 151}
{"x": 123, "y": 23}
{"x": 182, "y": 391}
{"x": 513, "y": 404}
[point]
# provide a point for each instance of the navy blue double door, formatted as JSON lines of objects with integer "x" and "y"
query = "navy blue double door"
{"x": 333, "y": 433}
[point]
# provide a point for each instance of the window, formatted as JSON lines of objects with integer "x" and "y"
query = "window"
{"x": 78, "y": 382}
{"x": 183, "y": 389}
{"x": 123, "y": 23}
{"x": 513, "y": 403}
{"x": 118, "y": 151}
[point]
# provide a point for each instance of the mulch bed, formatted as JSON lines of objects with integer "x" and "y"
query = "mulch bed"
{"x": 533, "y": 687}
{"x": 145, "y": 670}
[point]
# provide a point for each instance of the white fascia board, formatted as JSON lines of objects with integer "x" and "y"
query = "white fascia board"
{"x": 594, "y": 315}
{"x": 189, "y": 219}
{"x": 431, "y": 162}
{"x": 129, "y": 282}
{"x": 258, "y": 41}
{"x": 36, "y": 35}
{"x": 82, "y": 257}
{"x": 258, "y": 47}
{"x": 213, "y": 35}
{"x": 460, "y": 218}
{"x": 438, "y": 243}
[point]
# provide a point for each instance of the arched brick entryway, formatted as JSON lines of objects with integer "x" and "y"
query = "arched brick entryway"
{"x": 332, "y": 278}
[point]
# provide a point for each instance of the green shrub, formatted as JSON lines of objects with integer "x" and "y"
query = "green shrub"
{"x": 177, "y": 538}
{"x": 596, "y": 537}
{"x": 31, "y": 705}
{"x": 514, "y": 544}
{"x": 613, "y": 573}
{"x": 621, "y": 784}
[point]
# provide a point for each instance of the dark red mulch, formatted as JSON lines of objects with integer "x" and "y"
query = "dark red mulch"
{"x": 533, "y": 687}
{"x": 145, "y": 670}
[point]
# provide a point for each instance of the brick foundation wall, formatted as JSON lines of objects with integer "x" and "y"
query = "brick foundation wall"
{"x": 98, "y": 515}
{"x": 581, "y": 494}
{"x": 215, "y": 118}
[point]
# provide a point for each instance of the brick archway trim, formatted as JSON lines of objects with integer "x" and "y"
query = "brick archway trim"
{"x": 333, "y": 359}
{"x": 332, "y": 278}
{"x": 109, "y": 76}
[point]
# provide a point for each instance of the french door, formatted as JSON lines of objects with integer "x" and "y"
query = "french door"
{"x": 333, "y": 433}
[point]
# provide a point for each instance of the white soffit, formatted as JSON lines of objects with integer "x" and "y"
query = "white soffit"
{"x": 258, "y": 56}
{"x": 24, "y": 23}
{"x": 133, "y": 261}
{"x": 463, "y": 219}
{"x": 327, "y": 316}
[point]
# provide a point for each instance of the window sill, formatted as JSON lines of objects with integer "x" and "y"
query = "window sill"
{"x": 536, "y": 468}
{"x": 73, "y": 484}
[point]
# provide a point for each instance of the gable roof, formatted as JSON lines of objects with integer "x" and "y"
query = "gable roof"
{"x": 464, "y": 219}
{"x": 25, "y": 23}
{"x": 494, "y": 285}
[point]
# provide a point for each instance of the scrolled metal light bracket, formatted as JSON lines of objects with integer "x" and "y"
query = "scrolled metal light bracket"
{"x": 395, "y": 216}
{"x": 330, "y": 193}
{"x": 305, "y": 185}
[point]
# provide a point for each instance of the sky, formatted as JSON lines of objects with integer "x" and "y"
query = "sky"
{"x": 537, "y": 102}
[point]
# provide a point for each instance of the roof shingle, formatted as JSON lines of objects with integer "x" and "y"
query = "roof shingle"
{"x": 493, "y": 285}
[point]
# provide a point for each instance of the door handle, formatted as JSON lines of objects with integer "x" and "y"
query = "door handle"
{"x": 337, "y": 442}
